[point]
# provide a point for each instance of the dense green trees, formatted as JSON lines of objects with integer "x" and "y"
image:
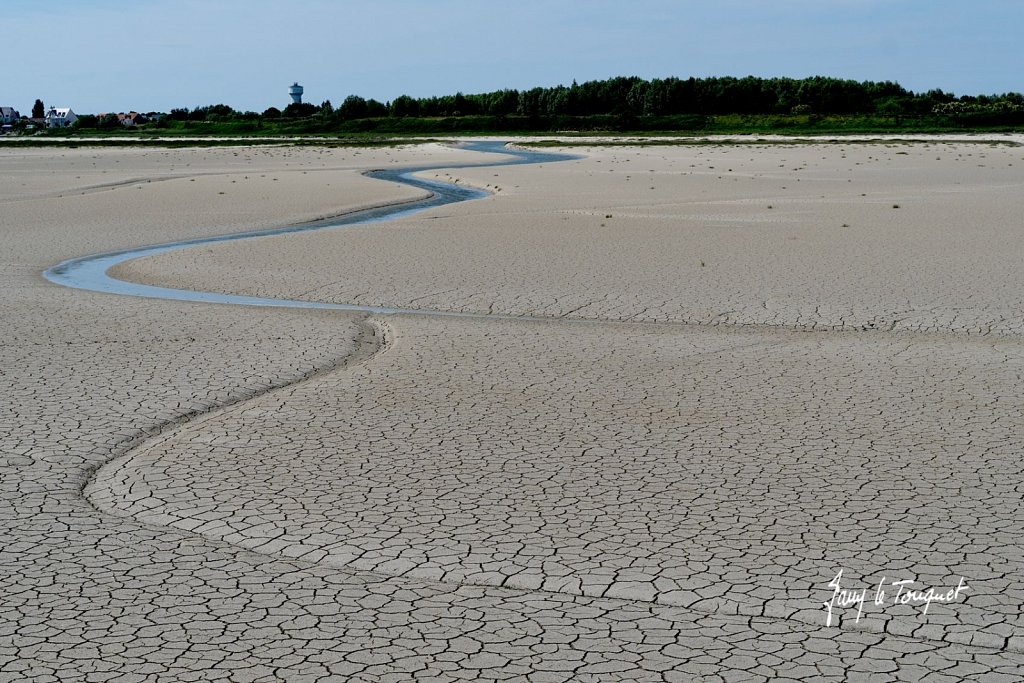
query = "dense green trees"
{"x": 403, "y": 106}
{"x": 636, "y": 97}
{"x": 631, "y": 103}
{"x": 299, "y": 110}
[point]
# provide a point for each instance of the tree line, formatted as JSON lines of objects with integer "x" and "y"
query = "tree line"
{"x": 663, "y": 97}
{"x": 629, "y": 101}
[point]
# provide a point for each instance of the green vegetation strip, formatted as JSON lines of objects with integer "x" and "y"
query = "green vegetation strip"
{"x": 704, "y": 142}
{"x": 141, "y": 141}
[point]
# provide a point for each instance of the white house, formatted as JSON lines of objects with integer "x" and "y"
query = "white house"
{"x": 59, "y": 117}
{"x": 8, "y": 115}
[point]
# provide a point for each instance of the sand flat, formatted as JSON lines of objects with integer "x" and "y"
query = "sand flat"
{"x": 232, "y": 493}
{"x": 142, "y": 195}
{"x": 896, "y": 236}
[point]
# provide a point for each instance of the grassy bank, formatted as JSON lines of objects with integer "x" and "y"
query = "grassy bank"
{"x": 382, "y": 130}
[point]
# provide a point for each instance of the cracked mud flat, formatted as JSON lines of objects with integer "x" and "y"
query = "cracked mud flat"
{"x": 307, "y": 495}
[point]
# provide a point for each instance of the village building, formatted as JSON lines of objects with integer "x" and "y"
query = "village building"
{"x": 8, "y": 115}
{"x": 60, "y": 117}
{"x": 132, "y": 118}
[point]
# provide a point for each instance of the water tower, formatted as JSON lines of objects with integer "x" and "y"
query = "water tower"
{"x": 296, "y": 92}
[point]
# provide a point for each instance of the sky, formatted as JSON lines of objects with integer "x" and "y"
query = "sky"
{"x": 154, "y": 55}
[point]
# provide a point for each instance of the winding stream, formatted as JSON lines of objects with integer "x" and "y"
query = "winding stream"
{"x": 91, "y": 272}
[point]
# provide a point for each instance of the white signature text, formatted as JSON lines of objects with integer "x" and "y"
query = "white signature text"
{"x": 900, "y": 592}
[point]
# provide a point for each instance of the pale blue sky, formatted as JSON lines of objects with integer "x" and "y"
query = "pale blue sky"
{"x": 107, "y": 55}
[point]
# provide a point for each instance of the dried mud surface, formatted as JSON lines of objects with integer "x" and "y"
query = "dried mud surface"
{"x": 748, "y": 383}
